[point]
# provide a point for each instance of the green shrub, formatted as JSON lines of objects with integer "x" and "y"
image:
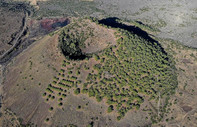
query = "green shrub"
{"x": 77, "y": 91}
{"x": 110, "y": 108}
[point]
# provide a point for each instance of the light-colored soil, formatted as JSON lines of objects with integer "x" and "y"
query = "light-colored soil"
{"x": 32, "y": 2}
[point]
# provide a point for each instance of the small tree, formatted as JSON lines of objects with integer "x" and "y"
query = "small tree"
{"x": 110, "y": 108}
{"x": 96, "y": 57}
{"x": 77, "y": 91}
{"x": 51, "y": 109}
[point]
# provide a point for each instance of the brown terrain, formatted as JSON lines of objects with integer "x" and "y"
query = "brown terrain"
{"x": 183, "y": 109}
{"x": 10, "y": 26}
{"x": 27, "y": 77}
{"x": 101, "y": 37}
{"x": 28, "y": 74}
{"x": 38, "y": 28}
{"x": 31, "y": 89}
{"x": 18, "y": 30}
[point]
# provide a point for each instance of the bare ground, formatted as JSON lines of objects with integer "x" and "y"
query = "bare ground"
{"x": 10, "y": 25}
{"x": 28, "y": 75}
{"x": 183, "y": 111}
{"x": 22, "y": 92}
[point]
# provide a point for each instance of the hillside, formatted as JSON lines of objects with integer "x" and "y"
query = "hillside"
{"x": 125, "y": 79}
{"x": 124, "y": 75}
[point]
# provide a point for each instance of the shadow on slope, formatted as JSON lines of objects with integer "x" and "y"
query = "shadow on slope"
{"x": 113, "y": 22}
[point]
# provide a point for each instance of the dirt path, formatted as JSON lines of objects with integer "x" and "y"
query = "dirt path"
{"x": 16, "y": 41}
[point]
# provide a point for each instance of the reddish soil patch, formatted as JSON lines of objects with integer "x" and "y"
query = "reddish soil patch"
{"x": 51, "y": 24}
{"x": 187, "y": 108}
{"x": 186, "y": 61}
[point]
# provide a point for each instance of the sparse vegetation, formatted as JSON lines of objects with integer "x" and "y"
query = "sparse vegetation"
{"x": 127, "y": 73}
{"x": 124, "y": 74}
